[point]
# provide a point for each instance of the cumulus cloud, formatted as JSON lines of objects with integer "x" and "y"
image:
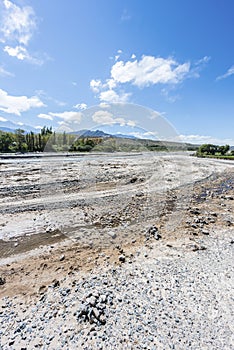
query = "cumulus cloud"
{"x": 227, "y": 74}
{"x": 18, "y": 23}
{"x": 104, "y": 105}
{"x": 67, "y": 116}
{"x": 81, "y": 106}
{"x": 95, "y": 85}
{"x": 21, "y": 53}
{"x": 144, "y": 72}
{"x": 45, "y": 116}
{"x": 18, "y": 104}
{"x": 105, "y": 117}
{"x": 201, "y": 139}
{"x": 112, "y": 96}
{"x": 149, "y": 71}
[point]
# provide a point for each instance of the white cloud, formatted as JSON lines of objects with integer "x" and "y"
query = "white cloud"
{"x": 18, "y": 23}
{"x": 131, "y": 123}
{"x": 203, "y": 60}
{"x": 105, "y": 117}
{"x": 112, "y": 96}
{"x": 21, "y": 53}
{"x": 38, "y": 127}
{"x": 104, "y": 105}
{"x": 70, "y": 116}
{"x": 45, "y": 116}
{"x": 149, "y": 71}
{"x": 81, "y": 106}
{"x": 18, "y": 104}
{"x": 95, "y": 85}
{"x": 5, "y": 73}
{"x": 201, "y": 139}
{"x": 3, "y": 119}
{"x": 227, "y": 74}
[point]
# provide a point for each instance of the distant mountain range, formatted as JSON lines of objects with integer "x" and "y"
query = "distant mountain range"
{"x": 99, "y": 133}
{"x": 9, "y": 126}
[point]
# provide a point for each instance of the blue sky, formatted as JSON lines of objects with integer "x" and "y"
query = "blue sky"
{"x": 176, "y": 57}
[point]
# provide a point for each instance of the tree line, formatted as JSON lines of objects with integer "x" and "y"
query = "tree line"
{"x": 213, "y": 150}
{"x": 45, "y": 140}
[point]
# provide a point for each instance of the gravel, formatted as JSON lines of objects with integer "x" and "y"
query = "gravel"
{"x": 165, "y": 299}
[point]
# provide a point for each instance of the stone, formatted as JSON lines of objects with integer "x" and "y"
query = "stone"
{"x": 157, "y": 236}
{"x": 122, "y": 258}
{"x": 92, "y": 301}
{"x": 96, "y": 312}
{"x": 112, "y": 234}
{"x": 62, "y": 258}
{"x": 2, "y": 281}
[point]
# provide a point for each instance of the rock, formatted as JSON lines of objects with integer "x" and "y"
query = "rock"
{"x": 56, "y": 283}
{"x": 102, "y": 298}
{"x": 157, "y": 236}
{"x": 230, "y": 198}
{"x": 2, "y": 281}
{"x": 112, "y": 234}
{"x": 96, "y": 313}
{"x": 205, "y": 232}
{"x": 228, "y": 223}
{"x": 153, "y": 232}
{"x": 133, "y": 180}
{"x": 42, "y": 289}
{"x": 194, "y": 211}
{"x": 91, "y": 301}
{"x": 62, "y": 257}
{"x": 122, "y": 258}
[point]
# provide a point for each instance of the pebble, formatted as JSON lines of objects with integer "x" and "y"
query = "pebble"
{"x": 157, "y": 302}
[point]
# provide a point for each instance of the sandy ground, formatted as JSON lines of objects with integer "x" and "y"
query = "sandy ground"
{"x": 64, "y": 219}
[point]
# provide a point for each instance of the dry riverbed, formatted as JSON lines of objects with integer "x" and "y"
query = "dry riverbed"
{"x": 116, "y": 252}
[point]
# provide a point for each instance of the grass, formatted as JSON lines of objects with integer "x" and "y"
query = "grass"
{"x": 216, "y": 156}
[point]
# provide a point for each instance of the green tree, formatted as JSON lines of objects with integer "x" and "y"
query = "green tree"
{"x": 21, "y": 144}
{"x": 6, "y": 141}
{"x": 224, "y": 149}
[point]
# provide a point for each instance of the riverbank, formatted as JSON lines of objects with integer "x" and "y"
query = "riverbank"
{"x": 163, "y": 280}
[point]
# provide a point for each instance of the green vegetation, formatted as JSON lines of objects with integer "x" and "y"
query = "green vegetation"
{"x": 215, "y": 151}
{"x": 45, "y": 140}
{"x": 19, "y": 141}
{"x": 49, "y": 141}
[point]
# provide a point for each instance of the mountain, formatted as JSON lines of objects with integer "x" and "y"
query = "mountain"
{"x": 90, "y": 133}
{"x": 122, "y": 136}
{"x": 99, "y": 133}
{"x": 9, "y": 126}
